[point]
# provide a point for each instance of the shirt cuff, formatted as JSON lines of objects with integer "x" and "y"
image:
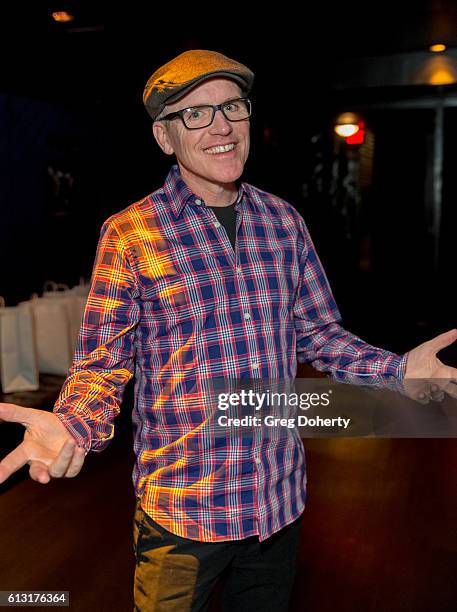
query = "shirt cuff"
{"x": 396, "y": 365}
{"x": 77, "y": 428}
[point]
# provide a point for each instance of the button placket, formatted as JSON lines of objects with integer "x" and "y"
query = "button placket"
{"x": 242, "y": 287}
{"x": 222, "y": 234}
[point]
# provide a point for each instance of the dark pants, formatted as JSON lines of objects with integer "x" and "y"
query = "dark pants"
{"x": 174, "y": 574}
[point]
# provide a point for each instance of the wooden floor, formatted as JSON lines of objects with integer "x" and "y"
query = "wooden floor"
{"x": 379, "y": 535}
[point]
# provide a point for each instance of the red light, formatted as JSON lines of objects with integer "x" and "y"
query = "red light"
{"x": 359, "y": 137}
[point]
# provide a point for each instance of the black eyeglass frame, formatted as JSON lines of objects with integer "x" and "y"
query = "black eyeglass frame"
{"x": 214, "y": 107}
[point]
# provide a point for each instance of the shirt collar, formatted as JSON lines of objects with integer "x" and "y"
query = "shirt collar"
{"x": 179, "y": 195}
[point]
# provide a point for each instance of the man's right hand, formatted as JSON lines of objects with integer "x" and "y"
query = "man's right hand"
{"x": 49, "y": 449}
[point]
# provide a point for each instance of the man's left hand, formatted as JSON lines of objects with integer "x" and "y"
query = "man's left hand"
{"x": 423, "y": 363}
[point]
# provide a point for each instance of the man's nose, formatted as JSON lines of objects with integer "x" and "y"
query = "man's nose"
{"x": 220, "y": 124}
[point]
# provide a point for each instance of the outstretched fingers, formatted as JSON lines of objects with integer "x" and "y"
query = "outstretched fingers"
{"x": 76, "y": 463}
{"x": 39, "y": 471}
{"x": 443, "y": 340}
{"x": 17, "y": 414}
{"x": 450, "y": 387}
{"x": 68, "y": 463}
{"x": 63, "y": 460}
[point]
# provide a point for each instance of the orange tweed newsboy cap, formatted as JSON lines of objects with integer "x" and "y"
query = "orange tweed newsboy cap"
{"x": 178, "y": 76}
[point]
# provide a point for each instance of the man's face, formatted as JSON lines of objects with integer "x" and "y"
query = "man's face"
{"x": 193, "y": 147}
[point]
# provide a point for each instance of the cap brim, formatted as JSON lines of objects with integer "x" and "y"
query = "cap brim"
{"x": 242, "y": 82}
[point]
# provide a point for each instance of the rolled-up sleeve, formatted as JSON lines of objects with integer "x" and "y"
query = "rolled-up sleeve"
{"x": 322, "y": 341}
{"x": 104, "y": 358}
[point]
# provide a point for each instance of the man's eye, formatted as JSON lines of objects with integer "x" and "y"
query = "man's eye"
{"x": 231, "y": 107}
{"x": 194, "y": 113}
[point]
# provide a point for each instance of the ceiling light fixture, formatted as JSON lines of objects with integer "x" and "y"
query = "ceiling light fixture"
{"x": 62, "y": 16}
{"x": 347, "y": 125}
{"x": 437, "y": 48}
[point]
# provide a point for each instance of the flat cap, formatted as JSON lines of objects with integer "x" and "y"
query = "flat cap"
{"x": 181, "y": 74}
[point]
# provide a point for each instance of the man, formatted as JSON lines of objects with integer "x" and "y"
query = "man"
{"x": 206, "y": 277}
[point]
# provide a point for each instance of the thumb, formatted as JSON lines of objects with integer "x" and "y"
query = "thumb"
{"x": 443, "y": 340}
{"x": 17, "y": 414}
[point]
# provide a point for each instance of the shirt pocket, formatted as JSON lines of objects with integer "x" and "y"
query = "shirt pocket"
{"x": 183, "y": 285}
{"x": 275, "y": 277}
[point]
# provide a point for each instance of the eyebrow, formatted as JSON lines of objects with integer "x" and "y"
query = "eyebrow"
{"x": 208, "y": 104}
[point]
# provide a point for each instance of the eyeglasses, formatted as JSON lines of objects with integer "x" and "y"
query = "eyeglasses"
{"x": 197, "y": 117}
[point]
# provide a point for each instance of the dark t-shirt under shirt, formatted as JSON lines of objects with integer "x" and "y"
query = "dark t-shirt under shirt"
{"x": 226, "y": 216}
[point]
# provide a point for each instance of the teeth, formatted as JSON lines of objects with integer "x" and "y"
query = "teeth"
{"x": 222, "y": 149}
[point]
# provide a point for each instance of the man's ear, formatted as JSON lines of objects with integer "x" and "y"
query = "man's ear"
{"x": 162, "y": 137}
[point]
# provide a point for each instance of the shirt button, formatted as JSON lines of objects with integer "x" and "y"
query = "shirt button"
{"x": 238, "y": 270}
{"x": 255, "y": 365}
{"x": 258, "y": 461}
{"x": 217, "y": 224}
{"x": 247, "y": 316}
{"x": 198, "y": 201}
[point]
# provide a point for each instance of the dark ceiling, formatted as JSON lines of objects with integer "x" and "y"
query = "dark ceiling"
{"x": 109, "y": 52}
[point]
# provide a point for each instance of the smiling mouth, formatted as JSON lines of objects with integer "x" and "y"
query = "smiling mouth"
{"x": 220, "y": 149}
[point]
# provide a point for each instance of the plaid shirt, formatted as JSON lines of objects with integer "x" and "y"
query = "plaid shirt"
{"x": 170, "y": 301}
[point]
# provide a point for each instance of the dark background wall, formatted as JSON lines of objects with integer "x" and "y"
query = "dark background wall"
{"x": 70, "y": 100}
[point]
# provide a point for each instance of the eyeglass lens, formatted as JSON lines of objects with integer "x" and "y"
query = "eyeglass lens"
{"x": 202, "y": 116}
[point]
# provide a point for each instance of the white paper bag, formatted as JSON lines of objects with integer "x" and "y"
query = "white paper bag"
{"x": 79, "y": 295}
{"x": 18, "y": 357}
{"x": 52, "y": 319}
{"x": 74, "y": 300}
